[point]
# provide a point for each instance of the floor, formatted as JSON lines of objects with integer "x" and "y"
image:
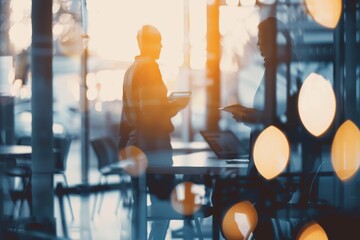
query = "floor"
{"x": 108, "y": 224}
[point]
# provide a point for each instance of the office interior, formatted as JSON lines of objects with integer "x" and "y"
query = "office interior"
{"x": 62, "y": 67}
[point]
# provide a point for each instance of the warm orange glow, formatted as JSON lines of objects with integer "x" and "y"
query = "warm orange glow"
{"x": 316, "y": 104}
{"x": 325, "y": 12}
{"x": 113, "y": 27}
{"x": 239, "y": 221}
{"x": 312, "y": 231}
{"x": 186, "y": 198}
{"x": 271, "y": 152}
{"x": 345, "y": 150}
{"x": 133, "y": 160}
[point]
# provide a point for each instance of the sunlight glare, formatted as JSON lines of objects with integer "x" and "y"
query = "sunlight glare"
{"x": 109, "y": 85}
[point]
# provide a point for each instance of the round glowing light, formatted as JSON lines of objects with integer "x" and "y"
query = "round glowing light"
{"x": 271, "y": 152}
{"x": 239, "y": 221}
{"x": 325, "y": 12}
{"x": 133, "y": 160}
{"x": 312, "y": 231}
{"x": 187, "y": 198}
{"x": 345, "y": 150}
{"x": 316, "y": 104}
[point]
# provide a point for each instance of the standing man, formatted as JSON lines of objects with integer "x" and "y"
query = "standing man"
{"x": 146, "y": 118}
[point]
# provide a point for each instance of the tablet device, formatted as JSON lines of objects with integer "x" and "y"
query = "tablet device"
{"x": 177, "y": 95}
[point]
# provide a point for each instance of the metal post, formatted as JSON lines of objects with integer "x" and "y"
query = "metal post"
{"x": 42, "y": 111}
{"x": 84, "y": 210}
{"x": 84, "y": 103}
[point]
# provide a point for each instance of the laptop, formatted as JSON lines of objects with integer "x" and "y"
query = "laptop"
{"x": 225, "y": 145}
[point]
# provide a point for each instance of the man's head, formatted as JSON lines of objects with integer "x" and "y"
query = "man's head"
{"x": 149, "y": 41}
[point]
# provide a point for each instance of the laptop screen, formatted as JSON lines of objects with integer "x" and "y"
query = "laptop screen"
{"x": 225, "y": 144}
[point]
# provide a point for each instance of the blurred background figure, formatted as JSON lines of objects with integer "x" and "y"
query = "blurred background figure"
{"x": 146, "y": 118}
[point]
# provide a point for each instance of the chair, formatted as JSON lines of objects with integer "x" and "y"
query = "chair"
{"x": 106, "y": 153}
{"x": 21, "y": 169}
{"x": 62, "y": 146}
{"x": 19, "y": 193}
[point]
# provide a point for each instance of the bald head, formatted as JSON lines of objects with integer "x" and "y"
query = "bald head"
{"x": 149, "y": 41}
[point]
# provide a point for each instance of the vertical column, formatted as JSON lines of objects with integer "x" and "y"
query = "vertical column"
{"x": 84, "y": 210}
{"x": 350, "y": 60}
{"x": 212, "y": 65}
{"x": 42, "y": 110}
{"x": 84, "y": 103}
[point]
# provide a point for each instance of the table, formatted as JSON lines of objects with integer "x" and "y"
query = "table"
{"x": 199, "y": 163}
{"x": 15, "y": 151}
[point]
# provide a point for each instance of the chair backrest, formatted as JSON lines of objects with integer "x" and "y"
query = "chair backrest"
{"x": 61, "y": 144}
{"x": 105, "y": 150}
{"x": 24, "y": 140}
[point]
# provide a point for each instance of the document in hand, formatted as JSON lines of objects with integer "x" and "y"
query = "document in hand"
{"x": 235, "y": 109}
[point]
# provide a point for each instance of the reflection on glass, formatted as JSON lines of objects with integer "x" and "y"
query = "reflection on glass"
{"x": 133, "y": 160}
{"x": 325, "y": 12}
{"x": 345, "y": 150}
{"x": 187, "y": 197}
{"x": 271, "y": 152}
{"x": 239, "y": 221}
{"x": 316, "y": 104}
{"x": 312, "y": 231}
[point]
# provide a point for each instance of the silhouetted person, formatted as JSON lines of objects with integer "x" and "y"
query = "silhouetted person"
{"x": 263, "y": 193}
{"x": 146, "y": 117}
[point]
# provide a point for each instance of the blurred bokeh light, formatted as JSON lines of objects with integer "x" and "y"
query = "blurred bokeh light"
{"x": 345, "y": 150}
{"x": 239, "y": 221}
{"x": 316, "y": 104}
{"x": 325, "y": 12}
{"x": 271, "y": 152}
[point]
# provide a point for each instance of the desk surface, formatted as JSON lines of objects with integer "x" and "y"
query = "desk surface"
{"x": 198, "y": 163}
{"x": 15, "y": 151}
